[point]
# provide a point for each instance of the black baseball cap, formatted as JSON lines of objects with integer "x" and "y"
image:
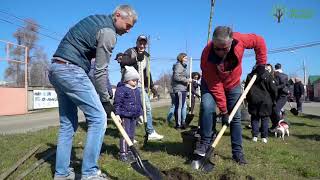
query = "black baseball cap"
{"x": 142, "y": 37}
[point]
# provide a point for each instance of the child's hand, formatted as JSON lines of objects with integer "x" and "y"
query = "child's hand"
{"x": 140, "y": 121}
{"x": 119, "y": 118}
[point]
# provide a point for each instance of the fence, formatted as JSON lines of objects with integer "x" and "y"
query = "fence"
{"x": 13, "y": 78}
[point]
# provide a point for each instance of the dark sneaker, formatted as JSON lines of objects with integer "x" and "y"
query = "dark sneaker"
{"x": 272, "y": 129}
{"x": 183, "y": 126}
{"x": 131, "y": 157}
{"x": 123, "y": 157}
{"x": 201, "y": 148}
{"x": 239, "y": 158}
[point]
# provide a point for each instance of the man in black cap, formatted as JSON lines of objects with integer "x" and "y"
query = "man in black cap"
{"x": 283, "y": 91}
{"x": 137, "y": 57}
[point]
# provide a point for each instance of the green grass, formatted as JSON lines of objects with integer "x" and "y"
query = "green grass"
{"x": 296, "y": 158}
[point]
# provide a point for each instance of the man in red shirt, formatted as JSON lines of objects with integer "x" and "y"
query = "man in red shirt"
{"x": 221, "y": 66}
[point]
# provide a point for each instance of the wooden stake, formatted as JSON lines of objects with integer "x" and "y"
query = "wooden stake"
{"x": 6, "y": 174}
{"x": 36, "y": 164}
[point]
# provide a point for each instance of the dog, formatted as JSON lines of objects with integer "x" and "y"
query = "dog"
{"x": 282, "y": 129}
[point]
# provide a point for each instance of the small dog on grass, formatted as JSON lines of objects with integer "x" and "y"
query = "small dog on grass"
{"x": 282, "y": 129}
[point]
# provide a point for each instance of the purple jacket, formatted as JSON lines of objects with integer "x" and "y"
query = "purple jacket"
{"x": 127, "y": 101}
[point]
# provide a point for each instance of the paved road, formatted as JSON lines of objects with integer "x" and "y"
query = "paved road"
{"x": 312, "y": 108}
{"x": 42, "y": 119}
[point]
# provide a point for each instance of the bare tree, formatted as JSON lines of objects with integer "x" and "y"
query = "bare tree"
{"x": 28, "y": 35}
{"x": 39, "y": 68}
{"x": 14, "y": 73}
{"x": 164, "y": 83}
{"x": 36, "y": 57}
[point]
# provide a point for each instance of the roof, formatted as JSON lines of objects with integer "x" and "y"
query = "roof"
{"x": 312, "y": 79}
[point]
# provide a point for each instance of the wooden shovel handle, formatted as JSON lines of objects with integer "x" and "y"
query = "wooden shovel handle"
{"x": 234, "y": 110}
{"x": 143, "y": 93}
{"x": 290, "y": 104}
{"x": 124, "y": 134}
{"x": 190, "y": 85}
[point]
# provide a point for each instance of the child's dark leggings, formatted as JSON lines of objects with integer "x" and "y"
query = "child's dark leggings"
{"x": 129, "y": 125}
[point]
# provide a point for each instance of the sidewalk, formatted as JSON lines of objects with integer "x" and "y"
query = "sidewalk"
{"x": 309, "y": 108}
{"x": 42, "y": 119}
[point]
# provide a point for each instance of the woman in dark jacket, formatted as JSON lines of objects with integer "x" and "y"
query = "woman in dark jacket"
{"x": 261, "y": 99}
{"x": 194, "y": 85}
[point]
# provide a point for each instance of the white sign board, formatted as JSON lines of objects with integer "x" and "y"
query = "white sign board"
{"x": 44, "y": 99}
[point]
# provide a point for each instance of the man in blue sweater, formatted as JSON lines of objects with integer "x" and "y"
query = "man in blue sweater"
{"x": 93, "y": 37}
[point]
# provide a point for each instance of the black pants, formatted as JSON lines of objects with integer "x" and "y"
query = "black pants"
{"x": 129, "y": 125}
{"x": 193, "y": 101}
{"x": 255, "y": 126}
{"x": 282, "y": 100}
{"x": 299, "y": 103}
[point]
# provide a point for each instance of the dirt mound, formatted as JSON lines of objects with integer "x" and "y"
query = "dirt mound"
{"x": 177, "y": 174}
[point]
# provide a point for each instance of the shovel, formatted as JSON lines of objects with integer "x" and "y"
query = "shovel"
{"x": 190, "y": 116}
{"x": 204, "y": 163}
{"x": 142, "y": 166}
{"x": 293, "y": 110}
{"x": 143, "y": 94}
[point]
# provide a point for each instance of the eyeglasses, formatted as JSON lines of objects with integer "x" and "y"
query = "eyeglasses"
{"x": 128, "y": 26}
{"x": 225, "y": 49}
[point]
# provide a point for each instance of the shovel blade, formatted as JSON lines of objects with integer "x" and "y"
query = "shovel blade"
{"x": 148, "y": 170}
{"x": 203, "y": 163}
{"x": 189, "y": 118}
{"x": 208, "y": 167}
{"x": 197, "y": 162}
{"x": 144, "y": 167}
{"x": 146, "y": 138}
{"x": 294, "y": 111}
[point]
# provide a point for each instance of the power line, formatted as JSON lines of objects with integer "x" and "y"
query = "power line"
{"x": 48, "y": 36}
{"x": 35, "y": 24}
{"x": 114, "y": 69}
{"x": 272, "y": 51}
{"x": 289, "y": 48}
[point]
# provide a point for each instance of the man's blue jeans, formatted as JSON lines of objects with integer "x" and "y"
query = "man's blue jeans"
{"x": 74, "y": 89}
{"x": 150, "y": 128}
{"x": 281, "y": 101}
{"x": 208, "y": 117}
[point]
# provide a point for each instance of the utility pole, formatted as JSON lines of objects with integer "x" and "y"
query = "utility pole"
{"x": 210, "y": 20}
{"x": 304, "y": 72}
{"x": 304, "y": 79}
